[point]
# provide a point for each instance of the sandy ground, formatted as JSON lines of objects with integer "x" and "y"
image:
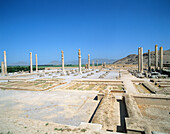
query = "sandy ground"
{"x": 108, "y": 113}
{"x": 127, "y": 80}
{"x": 29, "y": 111}
{"x": 64, "y": 107}
{"x": 67, "y": 111}
{"x": 18, "y": 125}
{"x": 51, "y": 111}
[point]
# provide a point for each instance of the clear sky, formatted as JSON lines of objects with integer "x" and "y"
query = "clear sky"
{"x": 104, "y": 28}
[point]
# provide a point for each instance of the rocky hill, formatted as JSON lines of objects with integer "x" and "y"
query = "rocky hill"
{"x": 133, "y": 58}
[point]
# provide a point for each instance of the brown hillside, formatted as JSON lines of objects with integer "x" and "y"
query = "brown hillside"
{"x": 133, "y": 58}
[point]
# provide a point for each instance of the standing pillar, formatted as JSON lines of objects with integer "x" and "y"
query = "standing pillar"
{"x": 149, "y": 61}
{"x": 2, "y": 69}
{"x": 139, "y": 59}
{"x": 141, "y": 53}
{"x": 89, "y": 61}
{"x": 5, "y": 64}
{"x": 62, "y": 58}
{"x": 161, "y": 59}
{"x": 93, "y": 64}
{"x": 156, "y": 57}
{"x": 36, "y": 62}
{"x": 30, "y": 62}
{"x": 104, "y": 65}
{"x": 79, "y": 58}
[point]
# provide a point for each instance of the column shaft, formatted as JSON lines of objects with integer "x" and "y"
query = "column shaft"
{"x": 149, "y": 61}
{"x": 79, "y": 58}
{"x": 30, "y": 62}
{"x": 2, "y": 69}
{"x": 5, "y": 63}
{"x": 62, "y": 58}
{"x": 93, "y": 64}
{"x": 88, "y": 61}
{"x": 36, "y": 63}
{"x": 141, "y": 52}
{"x": 139, "y": 59}
{"x": 156, "y": 57}
{"x": 161, "y": 58}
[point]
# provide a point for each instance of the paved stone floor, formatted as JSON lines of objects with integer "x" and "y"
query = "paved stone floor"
{"x": 64, "y": 107}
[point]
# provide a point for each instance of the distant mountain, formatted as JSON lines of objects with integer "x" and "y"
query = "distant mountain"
{"x": 84, "y": 61}
{"x": 20, "y": 63}
{"x": 133, "y": 58}
{"x": 54, "y": 63}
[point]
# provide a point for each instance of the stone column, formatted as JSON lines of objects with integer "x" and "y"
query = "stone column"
{"x": 104, "y": 65}
{"x": 62, "y": 59}
{"x": 2, "y": 69}
{"x": 149, "y": 61}
{"x": 86, "y": 67}
{"x": 30, "y": 62}
{"x": 36, "y": 62}
{"x": 139, "y": 59}
{"x": 161, "y": 59}
{"x": 5, "y": 64}
{"x": 93, "y": 64}
{"x": 79, "y": 58}
{"x": 141, "y": 52}
{"x": 89, "y": 61}
{"x": 156, "y": 57}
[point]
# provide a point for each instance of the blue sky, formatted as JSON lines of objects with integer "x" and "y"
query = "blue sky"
{"x": 104, "y": 28}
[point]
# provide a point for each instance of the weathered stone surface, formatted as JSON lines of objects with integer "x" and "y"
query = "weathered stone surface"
{"x": 79, "y": 59}
{"x": 31, "y": 62}
{"x": 2, "y": 69}
{"x": 5, "y": 64}
{"x": 36, "y": 60}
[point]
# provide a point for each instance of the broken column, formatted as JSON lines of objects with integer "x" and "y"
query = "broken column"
{"x": 30, "y": 62}
{"x": 161, "y": 59}
{"x": 79, "y": 58}
{"x": 139, "y": 59}
{"x": 89, "y": 61}
{"x": 156, "y": 57}
{"x": 2, "y": 69}
{"x": 141, "y": 53}
{"x": 36, "y": 60}
{"x": 5, "y": 64}
{"x": 149, "y": 61}
{"x": 62, "y": 58}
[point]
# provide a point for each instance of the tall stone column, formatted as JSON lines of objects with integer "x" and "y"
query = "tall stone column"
{"x": 156, "y": 57}
{"x": 161, "y": 59}
{"x": 89, "y": 61}
{"x": 62, "y": 59}
{"x": 93, "y": 64}
{"x": 141, "y": 52}
{"x": 5, "y": 63}
{"x": 139, "y": 59}
{"x": 36, "y": 59}
{"x": 79, "y": 58}
{"x": 104, "y": 65}
{"x": 2, "y": 69}
{"x": 149, "y": 61}
{"x": 30, "y": 62}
